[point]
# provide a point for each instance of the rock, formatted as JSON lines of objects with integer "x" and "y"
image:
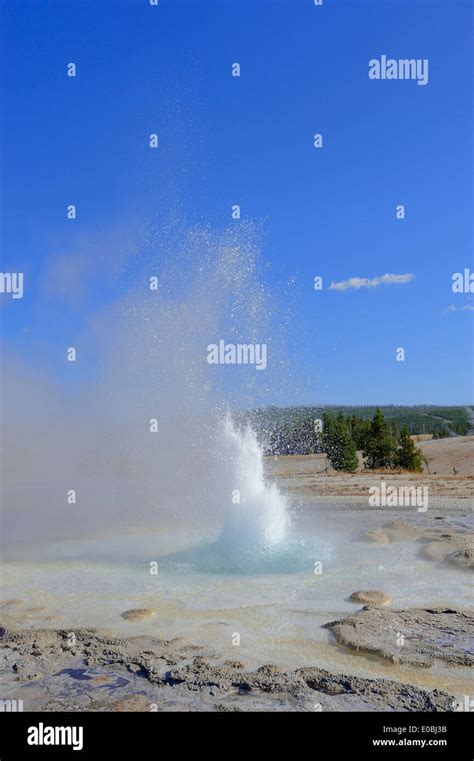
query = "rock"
{"x": 464, "y": 540}
{"x": 361, "y": 694}
{"x": 235, "y": 664}
{"x": 370, "y": 597}
{"x": 416, "y": 636}
{"x": 269, "y": 669}
{"x": 134, "y": 703}
{"x": 463, "y": 558}
{"x": 398, "y": 524}
{"x": 203, "y": 683}
{"x": 436, "y": 551}
{"x": 400, "y": 530}
{"x": 138, "y": 614}
{"x": 437, "y": 534}
{"x": 27, "y": 670}
{"x": 30, "y": 676}
{"x": 376, "y": 535}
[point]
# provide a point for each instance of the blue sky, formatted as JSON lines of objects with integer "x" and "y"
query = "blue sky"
{"x": 249, "y": 140}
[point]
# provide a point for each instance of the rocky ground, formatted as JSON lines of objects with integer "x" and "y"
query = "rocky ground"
{"x": 91, "y": 670}
{"x": 415, "y": 636}
{"x": 451, "y": 543}
{"x": 85, "y": 670}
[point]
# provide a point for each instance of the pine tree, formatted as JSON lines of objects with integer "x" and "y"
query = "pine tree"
{"x": 408, "y": 456}
{"x": 328, "y": 432}
{"x": 380, "y": 446}
{"x": 360, "y": 429}
{"x": 343, "y": 452}
{"x": 395, "y": 431}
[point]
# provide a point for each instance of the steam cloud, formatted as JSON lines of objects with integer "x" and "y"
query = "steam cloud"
{"x": 93, "y": 436}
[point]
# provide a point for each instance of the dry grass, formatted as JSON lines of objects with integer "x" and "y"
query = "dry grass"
{"x": 310, "y": 474}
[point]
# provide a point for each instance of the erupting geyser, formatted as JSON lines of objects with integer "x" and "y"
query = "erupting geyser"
{"x": 195, "y": 468}
{"x": 258, "y": 517}
{"x": 255, "y": 536}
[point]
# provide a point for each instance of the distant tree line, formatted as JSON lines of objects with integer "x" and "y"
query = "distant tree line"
{"x": 293, "y": 430}
{"x": 382, "y": 445}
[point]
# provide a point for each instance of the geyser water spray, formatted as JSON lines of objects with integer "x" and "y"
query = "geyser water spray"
{"x": 257, "y": 515}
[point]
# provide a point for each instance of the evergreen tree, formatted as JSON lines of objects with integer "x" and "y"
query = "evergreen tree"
{"x": 343, "y": 453}
{"x": 408, "y": 456}
{"x": 328, "y": 432}
{"x": 380, "y": 446}
{"x": 395, "y": 431}
{"x": 359, "y": 429}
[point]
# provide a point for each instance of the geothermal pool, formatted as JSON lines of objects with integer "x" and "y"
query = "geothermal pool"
{"x": 277, "y": 613}
{"x": 256, "y": 584}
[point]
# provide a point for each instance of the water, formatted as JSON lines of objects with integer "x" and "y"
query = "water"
{"x": 259, "y": 519}
{"x": 278, "y": 608}
{"x": 256, "y": 534}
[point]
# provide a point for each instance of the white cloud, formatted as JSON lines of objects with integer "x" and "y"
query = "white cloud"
{"x": 374, "y": 282}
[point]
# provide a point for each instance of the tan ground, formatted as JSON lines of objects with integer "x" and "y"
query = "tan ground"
{"x": 310, "y": 474}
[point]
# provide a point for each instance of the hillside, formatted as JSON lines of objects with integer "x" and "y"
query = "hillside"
{"x": 308, "y": 474}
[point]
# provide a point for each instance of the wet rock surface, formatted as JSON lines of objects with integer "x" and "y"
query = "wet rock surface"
{"x": 370, "y": 597}
{"x": 417, "y": 636}
{"x": 463, "y": 558}
{"x": 138, "y": 614}
{"x": 87, "y": 670}
{"x": 450, "y": 545}
{"x": 436, "y": 551}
